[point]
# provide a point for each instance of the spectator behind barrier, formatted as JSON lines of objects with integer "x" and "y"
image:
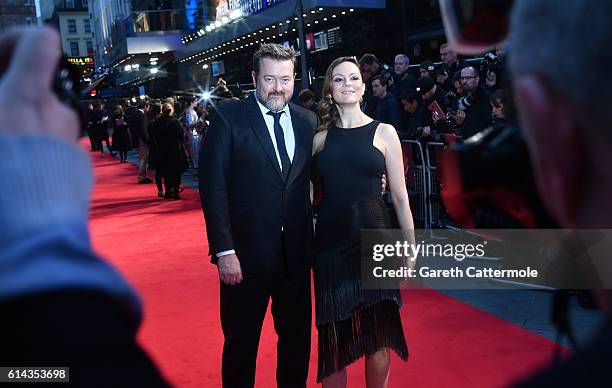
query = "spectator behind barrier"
{"x": 402, "y": 80}
{"x": 388, "y": 109}
{"x": 452, "y": 65}
{"x": 427, "y": 69}
{"x": 370, "y": 67}
{"x": 307, "y": 99}
{"x": 474, "y": 110}
{"x": 413, "y": 116}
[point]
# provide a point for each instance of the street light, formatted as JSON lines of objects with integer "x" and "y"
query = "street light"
{"x": 154, "y": 70}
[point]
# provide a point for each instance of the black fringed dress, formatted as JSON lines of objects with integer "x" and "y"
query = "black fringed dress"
{"x": 351, "y": 321}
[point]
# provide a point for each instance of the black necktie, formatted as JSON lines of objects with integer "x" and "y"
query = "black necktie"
{"x": 280, "y": 143}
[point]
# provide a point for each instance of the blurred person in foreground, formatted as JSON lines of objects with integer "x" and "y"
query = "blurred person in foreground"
{"x": 61, "y": 305}
{"x": 569, "y": 134}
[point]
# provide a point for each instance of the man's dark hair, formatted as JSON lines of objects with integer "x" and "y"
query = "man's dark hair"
{"x": 408, "y": 95}
{"x": 143, "y": 103}
{"x": 272, "y": 51}
{"x": 368, "y": 59}
{"x": 426, "y": 64}
{"x": 306, "y": 95}
{"x": 382, "y": 79}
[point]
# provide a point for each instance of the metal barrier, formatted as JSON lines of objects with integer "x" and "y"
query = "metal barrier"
{"x": 415, "y": 172}
{"x": 438, "y": 216}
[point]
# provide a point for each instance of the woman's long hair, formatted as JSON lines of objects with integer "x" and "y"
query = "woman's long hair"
{"x": 328, "y": 111}
{"x": 168, "y": 109}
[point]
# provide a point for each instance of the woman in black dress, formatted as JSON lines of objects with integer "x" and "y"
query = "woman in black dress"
{"x": 350, "y": 153}
{"x": 172, "y": 157}
{"x": 121, "y": 135}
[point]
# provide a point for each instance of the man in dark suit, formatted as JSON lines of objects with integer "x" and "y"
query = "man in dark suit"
{"x": 255, "y": 191}
{"x": 137, "y": 120}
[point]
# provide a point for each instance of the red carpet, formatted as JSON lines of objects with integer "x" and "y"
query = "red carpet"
{"x": 161, "y": 248}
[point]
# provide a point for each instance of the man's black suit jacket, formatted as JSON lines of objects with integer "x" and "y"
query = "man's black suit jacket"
{"x": 247, "y": 205}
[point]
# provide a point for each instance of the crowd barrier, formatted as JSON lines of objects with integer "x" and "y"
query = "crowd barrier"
{"x": 423, "y": 185}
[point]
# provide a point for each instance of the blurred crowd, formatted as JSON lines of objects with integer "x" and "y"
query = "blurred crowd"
{"x": 455, "y": 95}
{"x": 166, "y": 133}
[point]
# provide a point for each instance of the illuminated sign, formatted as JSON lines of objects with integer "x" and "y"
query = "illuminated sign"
{"x": 81, "y": 61}
{"x": 248, "y": 7}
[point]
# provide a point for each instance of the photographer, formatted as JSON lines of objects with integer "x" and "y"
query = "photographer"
{"x": 452, "y": 65}
{"x": 492, "y": 68}
{"x": 432, "y": 110}
{"x": 388, "y": 109}
{"x": 570, "y": 141}
{"x": 61, "y": 305}
{"x": 427, "y": 69}
{"x": 371, "y": 67}
{"x": 474, "y": 109}
{"x": 413, "y": 117}
{"x": 402, "y": 80}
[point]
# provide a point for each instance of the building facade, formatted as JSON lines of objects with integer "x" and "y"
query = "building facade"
{"x": 75, "y": 28}
{"x": 17, "y": 12}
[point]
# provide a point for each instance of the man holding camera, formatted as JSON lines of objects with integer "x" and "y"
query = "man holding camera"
{"x": 570, "y": 142}
{"x": 473, "y": 110}
{"x": 433, "y": 108}
{"x": 451, "y": 66}
{"x": 61, "y": 304}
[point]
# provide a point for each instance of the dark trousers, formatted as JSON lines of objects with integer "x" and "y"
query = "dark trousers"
{"x": 93, "y": 139}
{"x": 172, "y": 180}
{"x": 243, "y": 308}
{"x": 159, "y": 179}
{"x": 84, "y": 330}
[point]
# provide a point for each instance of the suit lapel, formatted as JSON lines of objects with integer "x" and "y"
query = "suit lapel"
{"x": 301, "y": 134}
{"x": 258, "y": 124}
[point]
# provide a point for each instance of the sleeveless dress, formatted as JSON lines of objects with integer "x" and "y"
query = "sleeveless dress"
{"x": 351, "y": 322}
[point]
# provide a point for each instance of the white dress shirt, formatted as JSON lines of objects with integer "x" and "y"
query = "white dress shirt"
{"x": 285, "y": 122}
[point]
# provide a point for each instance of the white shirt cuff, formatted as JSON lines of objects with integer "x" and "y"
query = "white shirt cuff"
{"x": 225, "y": 253}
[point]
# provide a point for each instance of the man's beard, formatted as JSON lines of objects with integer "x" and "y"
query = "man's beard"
{"x": 274, "y": 104}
